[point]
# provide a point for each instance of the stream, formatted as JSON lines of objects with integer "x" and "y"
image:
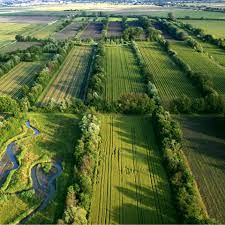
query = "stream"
{"x": 44, "y": 184}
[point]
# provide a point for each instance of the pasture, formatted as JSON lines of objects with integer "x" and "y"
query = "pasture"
{"x": 204, "y": 147}
{"x": 131, "y": 186}
{"x": 58, "y": 134}
{"x": 214, "y": 27}
{"x": 71, "y": 80}
{"x": 22, "y": 74}
{"x": 169, "y": 80}
{"x": 123, "y": 78}
{"x": 200, "y": 62}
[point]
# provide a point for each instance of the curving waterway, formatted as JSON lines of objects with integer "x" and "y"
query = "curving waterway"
{"x": 44, "y": 184}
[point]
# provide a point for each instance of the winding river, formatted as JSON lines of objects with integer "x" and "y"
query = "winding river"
{"x": 9, "y": 162}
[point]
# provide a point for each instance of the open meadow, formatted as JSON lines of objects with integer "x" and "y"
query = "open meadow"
{"x": 53, "y": 145}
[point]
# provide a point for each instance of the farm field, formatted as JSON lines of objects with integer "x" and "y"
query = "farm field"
{"x": 22, "y": 74}
{"x": 131, "y": 185}
{"x": 8, "y": 31}
{"x": 169, "y": 80}
{"x": 48, "y": 30}
{"x": 204, "y": 146}
{"x": 194, "y": 58}
{"x": 115, "y": 29}
{"x": 68, "y": 32}
{"x": 123, "y": 78}
{"x": 92, "y": 31}
{"x": 18, "y": 46}
{"x": 58, "y": 134}
{"x": 214, "y": 27}
{"x": 71, "y": 81}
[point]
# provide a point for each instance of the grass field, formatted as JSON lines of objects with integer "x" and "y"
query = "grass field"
{"x": 169, "y": 80}
{"x": 59, "y": 133}
{"x": 216, "y": 28}
{"x": 204, "y": 146}
{"x": 71, "y": 81}
{"x": 131, "y": 185}
{"x": 48, "y": 30}
{"x": 122, "y": 74}
{"x": 22, "y": 74}
{"x": 201, "y": 63}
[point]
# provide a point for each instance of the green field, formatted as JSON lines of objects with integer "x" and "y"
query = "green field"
{"x": 122, "y": 73}
{"x": 48, "y": 30}
{"x": 169, "y": 80}
{"x": 71, "y": 81}
{"x": 56, "y": 141}
{"x": 214, "y": 27}
{"x": 22, "y": 74}
{"x": 204, "y": 146}
{"x": 131, "y": 186}
{"x": 201, "y": 63}
{"x": 8, "y": 31}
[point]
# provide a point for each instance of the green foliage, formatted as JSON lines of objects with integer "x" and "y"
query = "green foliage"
{"x": 185, "y": 192}
{"x": 132, "y": 33}
{"x": 9, "y": 105}
{"x": 136, "y": 103}
{"x": 86, "y": 157}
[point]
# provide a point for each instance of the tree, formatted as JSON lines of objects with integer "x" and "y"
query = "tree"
{"x": 171, "y": 16}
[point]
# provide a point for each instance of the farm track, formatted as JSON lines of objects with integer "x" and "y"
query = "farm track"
{"x": 68, "y": 83}
{"x": 169, "y": 80}
{"x": 131, "y": 185}
{"x": 23, "y": 74}
{"x": 124, "y": 77}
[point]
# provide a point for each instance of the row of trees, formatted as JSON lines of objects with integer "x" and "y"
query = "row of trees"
{"x": 151, "y": 89}
{"x": 201, "y": 34}
{"x": 10, "y": 60}
{"x": 46, "y": 74}
{"x": 188, "y": 203}
{"x": 85, "y": 157}
{"x": 179, "y": 34}
{"x": 211, "y": 101}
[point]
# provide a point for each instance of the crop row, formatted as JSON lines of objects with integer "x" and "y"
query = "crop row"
{"x": 200, "y": 62}
{"x": 122, "y": 74}
{"x": 169, "y": 80}
{"x": 70, "y": 80}
{"x": 23, "y": 74}
{"x": 131, "y": 186}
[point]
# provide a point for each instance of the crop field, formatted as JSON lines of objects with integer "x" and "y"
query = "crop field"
{"x": 131, "y": 185}
{"x": 216, "y": 28}
{"x": 27, "y": 19}
{"x": 71, "y": 81}
{"x": 123, "y": 78}
{"x": 201, "y": 63}
{"x": 115, "y": 29}
{"x": 8, "y": 31}
{"x": 58, "y": 134}
{"x": 68, "y": 32}
{"x": 204, "y": 146}
{"x": 92, "y": 31}
{"x": 22, "y": 74}
{"x": 48, "y": 30}
{"x": 169, "y": 80}
{"x": 18, "y": 46}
